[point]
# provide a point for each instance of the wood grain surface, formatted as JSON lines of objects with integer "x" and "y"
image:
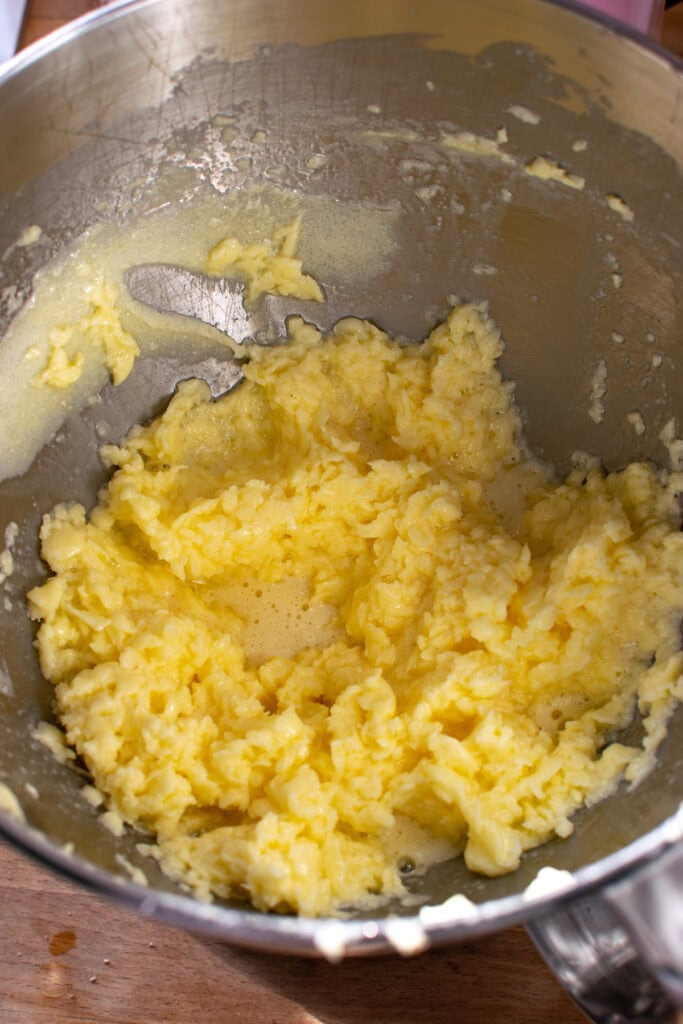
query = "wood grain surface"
{"x": 68, "y": 957}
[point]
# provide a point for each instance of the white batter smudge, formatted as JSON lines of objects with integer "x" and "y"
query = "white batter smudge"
{"x": 635, "y": 418}
{"x": 136, "y": 874}
{"x": 30, "y": 235}
{"x": 457, "y": 908}
{"x": 477, "y": 145}
{"x": 406, "y": 935}
{"x": 548, "y": 882}
{"x": 596, "y": 410}
{"x": 9, "y": 804}
{"x": 55, "y": 741}
{"x": 672, "y": 443}
{"x": 6, "y": 684}
{"x": 330, "y": 940}
{"x": 524, "y": 114}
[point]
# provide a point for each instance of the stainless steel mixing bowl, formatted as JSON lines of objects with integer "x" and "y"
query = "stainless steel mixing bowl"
{"x": 354, "y": 101}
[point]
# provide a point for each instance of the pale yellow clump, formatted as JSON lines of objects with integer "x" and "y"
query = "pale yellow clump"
{"x": 9, "y": 804}
{"x": 619, "y": 206}
{"x": 267, "y": 266}
{"x": 60, "y": 370}
{"x": 463, "y": 678}
{"x": 549, "y": 170}
{"x": 103, "y": 327}
{"x": 100, "y": 327}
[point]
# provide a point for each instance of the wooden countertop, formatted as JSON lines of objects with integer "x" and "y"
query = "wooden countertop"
{"x": 68, "y": 957}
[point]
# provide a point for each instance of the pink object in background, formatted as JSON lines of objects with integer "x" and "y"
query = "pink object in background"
{"x": 645, "y": 15}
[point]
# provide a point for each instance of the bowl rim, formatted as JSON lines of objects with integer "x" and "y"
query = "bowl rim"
{"x": 331, "y": 936}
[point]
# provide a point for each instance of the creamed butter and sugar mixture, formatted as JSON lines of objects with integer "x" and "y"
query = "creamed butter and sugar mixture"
{"x": 339, "y": 617}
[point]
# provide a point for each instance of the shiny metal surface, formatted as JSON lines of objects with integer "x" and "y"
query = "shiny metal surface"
{"x": 649, "y": 902}
{"x": 219, "y": 302}
{"x": 592, "y": 954}
{"x": 102, "y": 116}
{"x": 595, "y": 945}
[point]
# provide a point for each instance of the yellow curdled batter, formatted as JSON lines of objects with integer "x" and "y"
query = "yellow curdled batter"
{"x": 102, "y": 329}
{"x": 266, "y": 266}
{"x": 338, "y": 618}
